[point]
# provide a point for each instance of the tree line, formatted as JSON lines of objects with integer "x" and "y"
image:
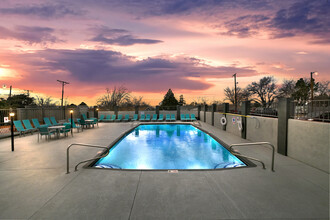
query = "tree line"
{"x": 265, "y": 91}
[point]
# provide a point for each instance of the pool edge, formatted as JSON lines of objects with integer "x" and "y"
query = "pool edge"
{"x": 90, "y": 164}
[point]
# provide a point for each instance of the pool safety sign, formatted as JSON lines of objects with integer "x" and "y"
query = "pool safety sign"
{"x": 233, "y": 120}
{"x": 6, "y": 119}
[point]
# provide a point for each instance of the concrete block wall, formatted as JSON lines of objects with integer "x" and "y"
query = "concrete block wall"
{"x": 189, "y": 112}
{"x": 165, "y": 112}
{"x": 309, "y": 142}
{"x": 106, "y": 113}
{"x": 262, "y": 129}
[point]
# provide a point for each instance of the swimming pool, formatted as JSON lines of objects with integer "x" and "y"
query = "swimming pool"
{"x": 166, "y": 147}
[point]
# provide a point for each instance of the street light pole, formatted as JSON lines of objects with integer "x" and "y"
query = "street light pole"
{"x": 63, "y": 84}
{"x": 235, "y": 98}
{"x": 71, "y": 113}
{"x": 12, "y": 114}
{"x": 312, "y": 92}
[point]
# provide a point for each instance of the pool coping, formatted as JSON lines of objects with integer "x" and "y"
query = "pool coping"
{"x": 90, "y": 164}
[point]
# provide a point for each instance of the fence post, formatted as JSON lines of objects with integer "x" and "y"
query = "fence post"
{"x": 178, "y": 110}
{"x": 199, "y": 112}
{"x": 205, "y": 109}
{"x": 245, "y": 111}
{"x": 283, "y": 112}
{"x": 137, "y": 109}
{"x": 214, "y": 108}
{"x": 116, "y": 110}
{"x": 96, "y": 112}
{"x": 225, "y": 110}
{"x": 157, "y": 110}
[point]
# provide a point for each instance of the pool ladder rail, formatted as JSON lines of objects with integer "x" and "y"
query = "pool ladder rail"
{"x": 84, "y": 145}
{"x": 251, "y": 158}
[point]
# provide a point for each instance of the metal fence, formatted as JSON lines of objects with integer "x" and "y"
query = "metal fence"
{"x": 316, "y": 110}
{"x": 270, "y": 111}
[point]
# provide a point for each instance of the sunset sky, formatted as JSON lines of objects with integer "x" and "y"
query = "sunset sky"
{"x": 191, "y": 46}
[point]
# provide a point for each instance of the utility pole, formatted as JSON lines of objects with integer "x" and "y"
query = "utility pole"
{"x": 63, "y": 84}
{"x": 10, "y": 91}
{"x": 235, "y": 100}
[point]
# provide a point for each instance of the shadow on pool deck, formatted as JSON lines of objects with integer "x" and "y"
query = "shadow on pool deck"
{"x": 34, "y": 185}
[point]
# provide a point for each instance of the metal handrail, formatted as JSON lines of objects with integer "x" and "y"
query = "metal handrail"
{"x": 85, "y": 145}
{"x": 255, "y": 143}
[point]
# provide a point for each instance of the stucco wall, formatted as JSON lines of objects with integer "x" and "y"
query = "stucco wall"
{"x": 217, "y": 117}
{"x": 309, "y": 142}
{"x": 209, "y": 118}
{"x": 232, "y": 127}
{"x": 262, "y": 129}
{"x": 202, "y": 115}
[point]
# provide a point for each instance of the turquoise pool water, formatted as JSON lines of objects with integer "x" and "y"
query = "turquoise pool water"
{"x": 168, "y": 146}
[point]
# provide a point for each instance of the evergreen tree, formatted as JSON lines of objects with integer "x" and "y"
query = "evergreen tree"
{"x": 303, "y": 89}
{"x": 182, "y": 101}
{"x": 19, "y": 101}
{"x": 169, "y": 99}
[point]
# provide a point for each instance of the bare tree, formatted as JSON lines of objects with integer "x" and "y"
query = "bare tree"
{"x": 200, "y": 101}
{"x": 242, "y": 94}
{"x": 45, "y": 101}
{"x": 265, "y": 91}
{"x": 114, "y": 97}
{"x": 323, "y": 89}
{"x": 287, "y": 88}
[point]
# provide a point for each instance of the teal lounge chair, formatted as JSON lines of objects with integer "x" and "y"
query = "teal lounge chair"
{"x": 47, "y": 121}
{"x": 136, "y": 117}
{"x": 143, "y": 118}
{"x": 36, "y": 123}
{"x": 78, "y": 127}
{"x": 43, "y": 130}
{"x": 173, "y": 117}
{"x": 66, "y": 129}
{"x": 53, "y": 120}
{"x": 168, "y": 117}
{"x": 108, "y": 118}
{"x": 183, "y": 117}
{"x": 126, "y": 118}
{"x": 154, "y": 117}
{"x": 101, "y": 118}
{"x": 113, "y": 118}
{"x": 148, "y": 117}
{"x": 161, "y": 117}
{"x": 28, "y": 125}
{"x": 83, "y": 123}
{"x": 188, "y": 117}
{"x": 120, "y": 117}
{"x": 193, "y": 118}
{"x": 85, "y": 117}
{"x": 19, "y": 127}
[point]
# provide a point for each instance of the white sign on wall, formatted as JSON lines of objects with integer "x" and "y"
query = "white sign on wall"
{"x": 233, "y": 120}
{"x": 6, "y": 119}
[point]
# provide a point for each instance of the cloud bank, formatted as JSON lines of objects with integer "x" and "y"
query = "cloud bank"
{"x": 119, "y": 37}
{"x": 99, "y": 67}
{"x": 30, "y": 35}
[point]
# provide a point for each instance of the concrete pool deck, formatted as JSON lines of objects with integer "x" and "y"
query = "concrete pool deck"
{"x": 34, "y": 185}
